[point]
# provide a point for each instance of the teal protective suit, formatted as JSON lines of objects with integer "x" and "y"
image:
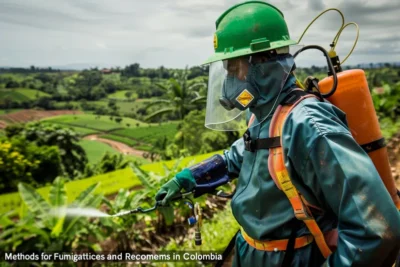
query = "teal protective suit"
{"x": 331, "y": 170}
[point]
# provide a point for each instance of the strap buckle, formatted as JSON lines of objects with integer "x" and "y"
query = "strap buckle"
{"x": 248, "y": 143}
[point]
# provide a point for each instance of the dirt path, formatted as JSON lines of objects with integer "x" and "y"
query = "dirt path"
{"x": 121, "y": 147}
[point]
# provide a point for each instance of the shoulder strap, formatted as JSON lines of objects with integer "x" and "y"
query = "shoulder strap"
{"x": 280, "y": 175}
{"x": 272, "y": 142}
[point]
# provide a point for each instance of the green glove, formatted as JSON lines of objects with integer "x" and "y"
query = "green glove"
{"x": 168, "y": 190}
{"x": 182, "y": 180}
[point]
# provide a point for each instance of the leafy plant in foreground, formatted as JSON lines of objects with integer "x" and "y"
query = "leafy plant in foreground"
{"x": 45, "y": 227}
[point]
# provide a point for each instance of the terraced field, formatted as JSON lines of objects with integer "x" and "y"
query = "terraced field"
{"x": 129, "y": 131}
{"x": 95, "y": 122}
{"x": 28, "y": 115}
{"x": 83, "y": 131}
{"x": 123, "y": 106}
{"x": 133, "y": 133}
{"x": 149, "y": 134}
{"x": 122, "y": 139}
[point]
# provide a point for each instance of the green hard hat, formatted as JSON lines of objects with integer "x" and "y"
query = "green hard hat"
{"x": 249, "y": 28}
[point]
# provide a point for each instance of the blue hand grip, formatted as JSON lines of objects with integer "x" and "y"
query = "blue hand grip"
{"x": 210, "y": 187}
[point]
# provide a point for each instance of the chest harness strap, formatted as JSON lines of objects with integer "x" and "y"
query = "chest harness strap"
{"x": 277, "y": 169}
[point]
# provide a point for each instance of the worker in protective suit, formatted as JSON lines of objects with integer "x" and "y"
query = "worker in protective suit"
{"x": 251, "y": 72}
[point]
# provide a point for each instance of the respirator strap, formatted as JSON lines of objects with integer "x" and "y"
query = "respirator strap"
{"x": 263, "y": 143}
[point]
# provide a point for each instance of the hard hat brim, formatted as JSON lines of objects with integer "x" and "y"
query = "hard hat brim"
{"x": 246, "y": 51}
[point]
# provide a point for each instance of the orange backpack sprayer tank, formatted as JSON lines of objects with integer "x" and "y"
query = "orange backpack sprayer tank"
{"x": 349, "y": 91}
{"x": 353, "y": 96}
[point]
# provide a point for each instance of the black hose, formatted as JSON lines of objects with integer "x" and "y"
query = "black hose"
{"x": 330, "y": 66}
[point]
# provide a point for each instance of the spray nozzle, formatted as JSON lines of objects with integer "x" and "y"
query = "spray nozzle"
{"x": 195, "y": 219}
{"x": 192, "y": 220}
{"x": 198, "y": 215}
{"x": 332, "y": 52}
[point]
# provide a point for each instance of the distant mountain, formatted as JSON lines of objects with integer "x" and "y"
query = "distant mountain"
{"x": 375, "y": 65}
{"x": 82, "y": 66}
{"x": 76, "y": 66}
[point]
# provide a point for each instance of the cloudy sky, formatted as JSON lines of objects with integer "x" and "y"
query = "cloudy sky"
{"x": 175, "y": 33}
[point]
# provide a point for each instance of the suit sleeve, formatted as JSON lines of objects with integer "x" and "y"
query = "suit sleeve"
{"x": 343, "y": 177}
{"x": 234, "y": 157}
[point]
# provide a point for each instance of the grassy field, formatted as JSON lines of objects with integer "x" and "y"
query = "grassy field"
{"x": 20, "y": 94}
{"x": 121, "y": 95}
{"x": 100, "y": 123}
{"x": 95, "y": 150}
{"x": 150, "y": 134}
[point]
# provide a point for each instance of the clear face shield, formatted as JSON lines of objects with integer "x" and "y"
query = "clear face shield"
{"x": 240, "y": 83}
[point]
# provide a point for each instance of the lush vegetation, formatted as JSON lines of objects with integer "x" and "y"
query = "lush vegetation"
{"x": 37, "y": 153}
{"x": 52, "y": 164}
{"x": 44, "y": 224}
{"x": 108, "y": 183}
{"x": 387, "y": 105}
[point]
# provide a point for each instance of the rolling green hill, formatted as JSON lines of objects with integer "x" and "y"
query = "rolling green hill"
{"x": 20, "y": 94}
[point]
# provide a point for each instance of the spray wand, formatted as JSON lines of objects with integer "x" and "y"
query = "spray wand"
{"x": 195, "y": 219}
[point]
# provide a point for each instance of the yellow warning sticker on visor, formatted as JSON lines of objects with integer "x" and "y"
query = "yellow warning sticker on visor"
{"x": 245, "y": 98}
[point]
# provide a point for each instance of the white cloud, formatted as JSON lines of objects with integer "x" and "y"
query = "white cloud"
{"x": 175, "y": 33}
{"x": 101, "y": 45}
